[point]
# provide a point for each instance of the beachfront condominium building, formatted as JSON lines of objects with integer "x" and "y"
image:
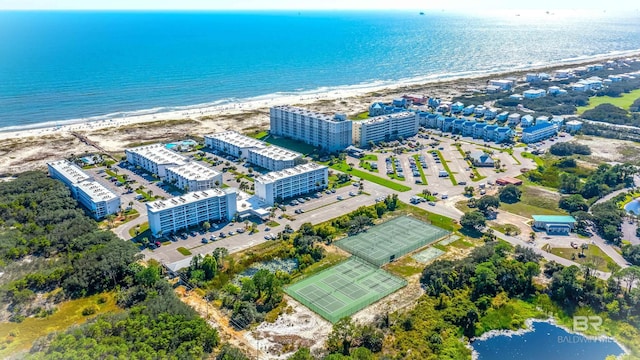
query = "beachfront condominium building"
{"x": 329, "y": 133}
{"x": 385, "y": 128}
{"x": 274, "y": 158}
{"x": 190, "y": 209}
{"x": 70, "y": 174}
{"x": 255, "y": 151}
{"x": 99, "y": 200}
{"x": 278, "y": 186}
{"x": 154, "y": 158}
{"x": 233, "y": 143}
{"x": 193, "y": 176}
{"x": 538, "y": 132}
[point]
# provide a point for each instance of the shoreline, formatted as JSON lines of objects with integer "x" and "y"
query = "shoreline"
{"x": 31, "y": 149}
{"x": 229, "y": 106}
{"x": 529, "y": 323}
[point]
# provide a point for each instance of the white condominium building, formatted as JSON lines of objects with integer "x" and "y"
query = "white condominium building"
{"x": 385, "y": 128}
{"x": 279, "y": 185}
{"x": 194, "y": 208}
{"x": 154, "y": 158}
{"x": 70, "y": 174}
{"x": 193, "y": 176}
{"x": 233, "y": 143}
{"x": 329, "y": 133}
{"x": 98, "y": 199}
{"x": 274, "y": 158}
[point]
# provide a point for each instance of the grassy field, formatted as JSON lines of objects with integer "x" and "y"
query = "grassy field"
{"x": 537, "y": 159}
{"x": 143, "y": 227}
{"x": 429, "y": 217}
{"x": 569, "y": 253}
{"x": 404, "y": 267}
{"x": 360, "y": 116}
{"x": 623, "y": 101}
{"x": 370, "y": 177}
{"x": 18, "y": 337}
{"x": 290, "y": 144}
{"x": 534, "y": 201}
{"x": 446, "y": 168}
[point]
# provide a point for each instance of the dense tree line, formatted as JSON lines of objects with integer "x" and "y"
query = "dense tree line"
{"x": 156, "y": 324}
{"x": 612, "y": 114}
{"x": 38, "y": 218}
{"x": 569, "y": 148}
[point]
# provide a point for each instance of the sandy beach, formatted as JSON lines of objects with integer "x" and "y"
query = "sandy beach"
{"x": 29, "y": 149}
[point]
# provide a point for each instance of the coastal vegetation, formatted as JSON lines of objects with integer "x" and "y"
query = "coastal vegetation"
{"x": 60, "y": 268}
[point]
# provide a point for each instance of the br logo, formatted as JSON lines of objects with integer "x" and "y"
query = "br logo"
{"x": 582, "y": 323}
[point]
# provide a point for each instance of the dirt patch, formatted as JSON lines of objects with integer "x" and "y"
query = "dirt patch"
{"x": 296, "y": 327}
{"x": 404, "y": 298}
{"x": 610, "y": 149}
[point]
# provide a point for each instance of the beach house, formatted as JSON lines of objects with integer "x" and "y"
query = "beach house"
{"x": 478, "y": 130}
{"x": 467, "y": 128}
{"x": 513, "y": 119}
{"x": 573, "y": 125}
{"x": 526, "y": 121}
{"x": 534, "y": 93}
{"x": 503, "y": 134}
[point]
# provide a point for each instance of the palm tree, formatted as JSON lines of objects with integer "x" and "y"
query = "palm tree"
{"x": 583, "y": 247}
{"x": 110, "y": 219}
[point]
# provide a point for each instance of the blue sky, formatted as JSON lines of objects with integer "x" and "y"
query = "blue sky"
{"x": 453, "y": 5}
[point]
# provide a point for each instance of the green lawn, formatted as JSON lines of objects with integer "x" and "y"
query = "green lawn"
{"x": 290, "y": 144}
{"x": 534, "y": 201}
{"x": 272, "y": 224}
{"x": 623, "y": 101}
{"x": 427, "y": 216}
{"x": 143, "y": 227}
{"x": 16, "y": 337}
{"x": 360, "y": 116}
{"x": 446, "y": 168}
{"x": 404, "y": 267}
{"x": 369, "y": 157}
{"x": 569, "y": 253}
{"x": 419, "y": 166}
{"x": 259, "y": 134}
{"x": 342, "y": 166}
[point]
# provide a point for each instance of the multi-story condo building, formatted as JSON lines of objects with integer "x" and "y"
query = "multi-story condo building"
{"x": 190, "y": 209}
{"x": 274, "y": 158}
{"x": 255, "y": 151}
{"x": 280, "y": 185}
{"x": 385, "y": 128}
{"x": 538, "y": 132}
{"x": 154, "y": 158}
{"x": 193, "y": 176}
{"x": 99, "y": 200}
{"x": 233, "y": 143}
{"x": 70, "y": 174}
{"x": 329, "y": 133}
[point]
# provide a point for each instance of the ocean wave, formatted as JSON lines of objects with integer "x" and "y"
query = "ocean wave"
{"x": 326, "y": 91}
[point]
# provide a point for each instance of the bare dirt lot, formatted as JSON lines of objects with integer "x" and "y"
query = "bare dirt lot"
{"x": 611, "y": 149}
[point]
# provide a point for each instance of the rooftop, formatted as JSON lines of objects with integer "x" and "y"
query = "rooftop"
{"x": 194, "y": 171}
{"x": 159, "y": 154}
{"x": 554, "y": 218}
{"x": 96, "y": 191}
{"x": 70, "y": 171}
{"x": 277, "y": 153}
{"x": 237, "y": 139}
{"x": 383, "y": 118}
{"x": 297, "y": 170}
{"x": 537, "y": 127}
{"x": 313, "y": 114}
{"x": 191, "y": 197}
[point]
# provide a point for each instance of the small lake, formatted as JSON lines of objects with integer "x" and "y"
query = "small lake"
{"x": 633, "y": 207}
{"x": 546, "y": 341}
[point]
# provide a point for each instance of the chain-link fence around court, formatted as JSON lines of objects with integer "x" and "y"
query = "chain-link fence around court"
{"x": 392, "y": 239}
{"x": 345, "y": 288}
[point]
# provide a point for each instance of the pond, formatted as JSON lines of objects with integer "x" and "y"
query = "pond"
{"x": 544, "y": 341}
{"x": 633, "y": 207}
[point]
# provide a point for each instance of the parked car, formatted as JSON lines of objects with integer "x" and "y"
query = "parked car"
{"x": 267, "y": 237}
{"x": 205, "y": 241}
{"x": 222, "y": 235}
{"x": 231, "y": 233}
{"x": 213, "y": 238}
{"x": 340, "y": 197}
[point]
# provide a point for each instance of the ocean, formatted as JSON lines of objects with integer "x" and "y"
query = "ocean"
{"x": 56, "y": 66}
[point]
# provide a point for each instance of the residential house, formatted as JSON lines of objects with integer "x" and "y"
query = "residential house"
{"x": 503, "y": 116}
{"x": 526, "y": 121}
{"x": 534, "y": 93}
{"x": 513, "y": 119}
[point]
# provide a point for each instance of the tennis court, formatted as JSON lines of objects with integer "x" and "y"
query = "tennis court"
{"x": 344, "y": 289}
{"x": 390, "y": 240}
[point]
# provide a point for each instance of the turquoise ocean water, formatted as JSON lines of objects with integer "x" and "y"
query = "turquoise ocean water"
{"x": 57, "y": 66}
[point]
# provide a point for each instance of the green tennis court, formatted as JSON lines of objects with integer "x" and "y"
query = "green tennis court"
{"x": 344, "y": 289}
{"x": 390, "y": 240}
